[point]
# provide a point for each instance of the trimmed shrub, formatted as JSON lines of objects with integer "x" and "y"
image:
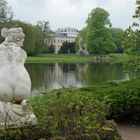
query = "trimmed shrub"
{"x": 123, "y": 99}
{"x": 67, "y": 114}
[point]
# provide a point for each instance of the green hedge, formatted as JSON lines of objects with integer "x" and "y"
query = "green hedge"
{"x": 67, "y": 114}
{"x": 123, "y": 99}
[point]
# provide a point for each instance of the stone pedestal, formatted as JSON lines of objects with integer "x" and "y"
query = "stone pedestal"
{"x": 15, "y": 115}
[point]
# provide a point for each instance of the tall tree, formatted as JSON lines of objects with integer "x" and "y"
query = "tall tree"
{"x": 82, "y": 35}
{"x": 98, "y": 37}
{"x": 45, "y": 32}
{"x": 131, "y": 43}
{"x": 118, "y": 37}
{"x": 39, "y": 39}
{"x": 44, "y": 25}
{"x": 5, "y": 11}
{"x": 81, "y": 39}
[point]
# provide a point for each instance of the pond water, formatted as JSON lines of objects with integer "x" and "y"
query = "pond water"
{"x": 58, "y": 75}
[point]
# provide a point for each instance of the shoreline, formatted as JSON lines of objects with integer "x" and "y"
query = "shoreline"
{"x": 73, "y": 58}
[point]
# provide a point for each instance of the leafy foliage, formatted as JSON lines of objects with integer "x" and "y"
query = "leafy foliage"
{"x": 131, "y": 48}
{"x": 6, "y": 13}
{"x": 98, "y": 37}
{"x": 118, "y": 37}
{"x": 67, "y": 47}
{"x": 131, "y": 44}
{"x": 45, "y": 27}
{"x": 50, "y": 49}
{"x": 68, "y": 114}
{"x": 81, "y": 39}
{"x": 39, "y": 39}
{"x": 123, "y": 99}
{"x": 43, "y": 34}
{"x": 137, "y": 11}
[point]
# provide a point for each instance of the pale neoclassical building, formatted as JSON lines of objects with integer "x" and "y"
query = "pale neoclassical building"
{"x": 63, "y": 35}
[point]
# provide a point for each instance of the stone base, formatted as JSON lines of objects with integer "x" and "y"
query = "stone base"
{"x": 16, "y": 115}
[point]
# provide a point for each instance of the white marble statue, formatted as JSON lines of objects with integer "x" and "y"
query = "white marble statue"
{"x": 15, "y": 83}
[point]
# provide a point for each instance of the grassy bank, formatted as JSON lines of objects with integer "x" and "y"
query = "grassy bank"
{"x": 81, "y": 114}
{"x": 72, "y": 58}
{"x": 51, "y": 58}
{"x": 118, "y": 57}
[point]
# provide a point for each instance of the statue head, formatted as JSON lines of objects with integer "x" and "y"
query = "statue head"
{"x": 13, "y": 35}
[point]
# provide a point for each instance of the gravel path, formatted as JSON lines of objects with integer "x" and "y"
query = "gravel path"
{"x": 129, "y": 132}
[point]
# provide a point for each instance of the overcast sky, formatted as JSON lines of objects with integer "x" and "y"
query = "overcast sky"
{"x": 73, "y": 13}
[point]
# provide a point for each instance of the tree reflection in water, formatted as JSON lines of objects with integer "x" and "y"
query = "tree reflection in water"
{"x": 58, "y": 75}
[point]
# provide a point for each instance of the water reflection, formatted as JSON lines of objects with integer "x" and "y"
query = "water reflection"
{"x": 57, "y": 75}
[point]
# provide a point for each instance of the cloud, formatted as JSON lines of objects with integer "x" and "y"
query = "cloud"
{"x": 121, "y": 12}
{"x": 31, "y": 2}
{"x": 61, "y": 13}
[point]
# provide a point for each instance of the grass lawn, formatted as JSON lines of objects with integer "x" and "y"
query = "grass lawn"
{"x": 72, "y": 58}
{"x": 50, "y": 58}
{"x": 118, "y": 57}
